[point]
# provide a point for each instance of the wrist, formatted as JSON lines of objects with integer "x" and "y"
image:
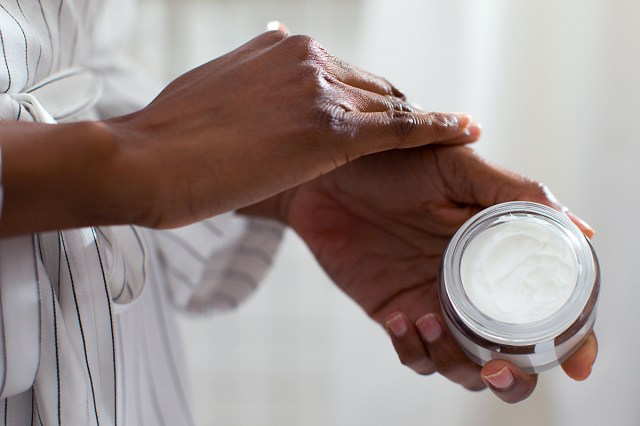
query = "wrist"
{"x": 63, "y": 176}
{"x": 275, "y": 208}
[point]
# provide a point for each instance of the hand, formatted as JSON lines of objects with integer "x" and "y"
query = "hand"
{"x": 379, "y": 227}
{"x": 273, "y": 114}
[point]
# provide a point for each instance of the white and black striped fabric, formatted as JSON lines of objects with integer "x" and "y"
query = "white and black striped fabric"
{"x": 87, "y": 334}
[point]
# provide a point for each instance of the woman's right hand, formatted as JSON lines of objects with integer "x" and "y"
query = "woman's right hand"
{"x": 269, "y": 116}
{"x": 273, "y": 114}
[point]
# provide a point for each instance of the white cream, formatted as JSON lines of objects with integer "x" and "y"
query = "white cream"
{"x": 519, "y": 271}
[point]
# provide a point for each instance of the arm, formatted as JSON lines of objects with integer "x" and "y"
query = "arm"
{"x": 275, "y": 113}
{"x": 64, "y": 176}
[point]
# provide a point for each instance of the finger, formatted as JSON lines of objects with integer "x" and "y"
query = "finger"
{"x": 356, "y": 99}
{"x": 401, "y": 129}
{"x": 447, "y": 356}
{"x": 578, "y": 366}
{"x": 487, "y": 184}
{"x": 540, "y": 193}
{"x": 553, "y": 202}
{"x": 365, "y": 101}
{"x": 508, "y": 382}
{"x": 356, "y": 77}
{"x": 361, "y": 100}
{"x": 406, "y": 341}
{"x": 471, "y": 134}
{"x": 582, "y": 224}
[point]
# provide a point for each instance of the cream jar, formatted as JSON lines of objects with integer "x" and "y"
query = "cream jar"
{"x": 519, "y": 281}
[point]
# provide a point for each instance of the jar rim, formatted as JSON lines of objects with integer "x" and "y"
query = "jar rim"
{"x": 520, "y": 334}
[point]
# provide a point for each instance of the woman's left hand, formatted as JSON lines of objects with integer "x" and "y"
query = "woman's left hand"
{"x": 379, "y": 227}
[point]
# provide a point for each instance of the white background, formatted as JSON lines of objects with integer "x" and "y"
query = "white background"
{"x": 556, "y": 85}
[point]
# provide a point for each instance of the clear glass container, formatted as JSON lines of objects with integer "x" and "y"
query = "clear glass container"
{"x": 533, "y": 346}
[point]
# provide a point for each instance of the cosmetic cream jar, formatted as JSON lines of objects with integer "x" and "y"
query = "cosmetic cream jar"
{"x": 519, "y": 281}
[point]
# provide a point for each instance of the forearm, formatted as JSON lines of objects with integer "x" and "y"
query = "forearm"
{"x": 62, "y": 176}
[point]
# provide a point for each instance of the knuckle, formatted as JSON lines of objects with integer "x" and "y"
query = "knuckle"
{"x": 331, "y": 118}
{"x": 315, "y": 86}
{"x": 313, "y": 78}
{"x": 274, "y": 36}
{"x": 398, "y": 104}
{"x": 403, "y": 124}
{"x": 310, "y": 75}
{"x": 327, "y": 114}
{"x": 303, "y": 46}
{"x": 301, "y": 40}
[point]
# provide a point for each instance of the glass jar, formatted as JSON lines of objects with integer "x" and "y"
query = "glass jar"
{"x": 537, "y": 345}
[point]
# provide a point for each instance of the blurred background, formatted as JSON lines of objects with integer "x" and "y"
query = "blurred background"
{"x": 556, "y": 85}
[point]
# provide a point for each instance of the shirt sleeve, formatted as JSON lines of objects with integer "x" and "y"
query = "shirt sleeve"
{"x": 218, "y": 263}
{"x": 19, "y": 315}
{"x": 19, "y": 294}
{"x": 1, "y": 187}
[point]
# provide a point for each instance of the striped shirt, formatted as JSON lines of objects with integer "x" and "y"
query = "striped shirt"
{"x": 87, "y": 333}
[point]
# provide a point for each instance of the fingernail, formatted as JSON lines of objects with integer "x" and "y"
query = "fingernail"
{"x": 473, "y": 130}
{"x": 463, "y": 119}
{"x": 587, "y": 229}
{"x": 273, "y": 26}
{"x": 501, "y": 380}
{"x": 429, "y": 328}
{"x": 397, "y": 325}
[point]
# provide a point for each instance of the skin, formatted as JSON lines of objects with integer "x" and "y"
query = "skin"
{"x": 281, "y": 129}
{"x": 278, "y": 103}
{"x": 379, "y": 226}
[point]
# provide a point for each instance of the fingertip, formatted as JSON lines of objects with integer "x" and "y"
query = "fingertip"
{"x": 587, "y": 229}
{"x": 508, "y": 382}
{"x": 541, "y": 193}
{"x": 581, "y": 377}
{"x": 397, "y": 325}
{"x": 429, "y": 327}
{"x": 407, "y": 344}
{"x": 501, "y": 380}
{"x": 580, "y": 365}
{"x": 463, "y": 120}
{"x": 471, "y": 134}
{"x": 393, "y": 129}
{"x": 474, "y": 129}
